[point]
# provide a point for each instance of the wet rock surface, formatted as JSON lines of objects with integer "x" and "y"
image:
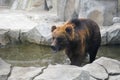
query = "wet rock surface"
{"x": 101, "y": 69}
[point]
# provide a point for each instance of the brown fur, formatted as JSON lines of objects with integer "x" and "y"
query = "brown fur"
{"x": 78, "y": 37}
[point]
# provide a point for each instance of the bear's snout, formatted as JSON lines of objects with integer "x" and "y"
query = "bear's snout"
{"x": 53, "y": 47}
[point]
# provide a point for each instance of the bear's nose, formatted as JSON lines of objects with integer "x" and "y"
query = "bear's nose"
{"x": 53, "y": 47}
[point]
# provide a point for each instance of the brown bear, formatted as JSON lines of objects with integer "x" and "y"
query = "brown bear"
{"x": 78, "y": 37}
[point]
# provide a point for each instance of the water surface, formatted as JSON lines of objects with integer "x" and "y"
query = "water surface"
{"x": 36, "y": 55}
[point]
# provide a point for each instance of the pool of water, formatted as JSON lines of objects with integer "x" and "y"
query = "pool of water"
{"x": 36, "y": 55}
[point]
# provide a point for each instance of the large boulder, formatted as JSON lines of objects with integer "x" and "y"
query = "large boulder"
{"x": 101, "y": 69}
{"x": 6, "y": 3}
{"x": 13, "y": 36}
{"x": 111, "y": 34}
{"x": 15, "y": 21}
{"x": 28, "y": 5}
{"x": 39, "y": 35}
{"x": 4, "y": 40}
{"x": 61, "y": 9}
{"x": 34, "y": 5}
{"x": 96, "y": 71}
{"x": 68, "y": 9}
{"x": 35, "y": 28}
{"x": 25, "y": 73}
{"x": 5, "y": 69}
{"x": 103, "y": 10}
{"x": 63, "y": 72}
{"x": 112, "y": 66}
{"x": 11, "y": 25}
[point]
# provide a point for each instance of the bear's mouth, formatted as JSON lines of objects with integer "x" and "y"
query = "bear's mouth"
{"x": 56, "y": 48}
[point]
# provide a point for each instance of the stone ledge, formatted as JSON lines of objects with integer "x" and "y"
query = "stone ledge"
{"x": 102, "y": 69}
{"x": 36, "y": 28}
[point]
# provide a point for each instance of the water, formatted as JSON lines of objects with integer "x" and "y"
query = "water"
{"x": 35, "y": 55}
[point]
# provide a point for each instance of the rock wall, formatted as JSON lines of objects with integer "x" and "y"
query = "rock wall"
{"x": 35, "y": 28}
{"x": 22, "y": 28}
{"x": 6, "y": 3}
{"x": 101, "y": 69}
{"x": 101, "y": 11}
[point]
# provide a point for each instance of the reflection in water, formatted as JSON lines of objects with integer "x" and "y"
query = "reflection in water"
{"x": 110, "y": 51}
{"x": 34, "y": 55}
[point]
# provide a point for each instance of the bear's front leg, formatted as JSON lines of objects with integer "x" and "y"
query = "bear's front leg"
{"x": 77, "y": 60}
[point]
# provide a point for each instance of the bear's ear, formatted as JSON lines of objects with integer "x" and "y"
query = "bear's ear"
{"x": 53, "y": 28}
{"x": 69, "y": 30}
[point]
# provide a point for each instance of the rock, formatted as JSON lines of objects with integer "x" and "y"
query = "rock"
{"x": 114, "y": 34}
{"x": 96, "y": 14}
{"x": 63, "y": 72}
{"x": 40, "y": 34}
{"x": 14, "y": 36}
{"x": 115, "y": 77}
{"x": 93, "y": 10}
{"x": 67, "y": 11}
{"x": 5, "y": 69}
{"x": 49, "y": 4}
{"x": 61, "y": 9}
{"x": 116, "y": 20}
{"x": 4, "y": 40}
{"x": 28, "y": 5}
{"x": 54, "y": 6}
{"x": 11, "y": 26}
{"x": 96, "y": 71}
{"x": 25, "y": 73}
{"x": 111, "y": 35}
{"x": 37, "y": 5}
{"x": 104, "y": 34}
{"x": 100, "y": 11}
{"x": 31, "y": 28}
{"x": 91, "y": 78}
{"x": 15, "y": 21}
{"x": 112, "y": 66}
{"x": 83, "y": 76}
{"x": 6, "y": 3}
{"x": 100, "y": 69}
{"x": 103, "y": 10}
{"x": 19, "y": 4}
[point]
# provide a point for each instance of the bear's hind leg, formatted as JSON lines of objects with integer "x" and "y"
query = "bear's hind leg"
{"x": 93, "y": 53}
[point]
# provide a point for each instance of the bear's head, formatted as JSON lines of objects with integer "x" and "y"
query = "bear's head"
{"x": 61, "y": 36}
